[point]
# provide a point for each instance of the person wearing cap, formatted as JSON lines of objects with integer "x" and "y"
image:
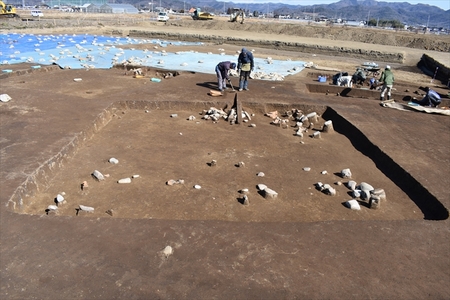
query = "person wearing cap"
{"x": 245, "y": 67}
{"x": 431, "y": 98}
{"x": 222, "y": 71}
{"x": 387, "y": 79}
{"x": 359, "y": 76}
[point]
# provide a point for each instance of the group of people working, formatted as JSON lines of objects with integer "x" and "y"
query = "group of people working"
{"x": 245, "y": 65}
{"x": 386, "y": 80}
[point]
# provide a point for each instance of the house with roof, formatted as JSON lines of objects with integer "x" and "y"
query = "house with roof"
{"x": 89, "y": 8}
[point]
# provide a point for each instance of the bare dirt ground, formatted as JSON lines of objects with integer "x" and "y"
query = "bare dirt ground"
{"x": 303, "y": 244}
{"x": 183, "y": 151}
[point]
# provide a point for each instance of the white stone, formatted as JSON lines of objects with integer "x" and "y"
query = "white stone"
{"x": 311, "y": 115}
{"x": 353, "y": 204}
{"x": 197, "y": 187}
{"x": 261, "y": 187}
{"x": 351, "y": 185}
{"x": 377, "y": 191}
{"x": 306, "y": 169}
{"x": 316, "y": 135}
{"x": 380, "y": 193}
{"x": 330, "y": 191}
{"x": 269, "y": 193}
{"x": 135, "y": 176}
{"x": 365, "y": 186}
{"x": 124, "y": 180}
{"x": 174, "y": 115}
{"x": 328, "y": 126}
{"x": 324, "y": 172}
{"x": 59, "y": 198}
{"x": 167, "y": 251}
{"x": 5, "y": 97}
{"x": 356, "y": 193}
{"x": 243, "y": 191}
{"x": 114, "y": 161}
{"x": 261, "y": 174}
{"x": 374, "y": 202}
{"x": 346, "y": 173}
{"x": 52, "y": 207}
{"x": 77, "y": 79}
{"x": 245, "y": 200}
{"x": 98, "y": 175}
{"x": 86, "y": 208}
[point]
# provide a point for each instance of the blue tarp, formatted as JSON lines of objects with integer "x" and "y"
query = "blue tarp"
{"x": 101, "y": 52}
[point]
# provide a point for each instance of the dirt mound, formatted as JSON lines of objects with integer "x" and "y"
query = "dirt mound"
{"x": 345, "y": 33}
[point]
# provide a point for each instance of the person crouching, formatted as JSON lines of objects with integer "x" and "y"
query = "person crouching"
{"x": 222, "y": 71}
{"x": 431, "y": 98}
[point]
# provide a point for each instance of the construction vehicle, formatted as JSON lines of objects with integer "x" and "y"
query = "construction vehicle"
{"x": 8, "y": 11}
{"x": 200, "y": 15}
{"x": 236, "y": 13}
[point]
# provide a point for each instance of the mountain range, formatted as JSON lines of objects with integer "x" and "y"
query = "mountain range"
{"x": 359, "y": 10}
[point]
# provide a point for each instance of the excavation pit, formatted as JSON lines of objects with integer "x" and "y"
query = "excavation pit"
{"x": 160, "y": 141}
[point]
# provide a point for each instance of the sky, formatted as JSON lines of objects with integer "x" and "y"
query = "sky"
{"x": 444, "y": 4}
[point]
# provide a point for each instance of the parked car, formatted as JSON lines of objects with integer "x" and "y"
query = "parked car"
{"x": 37, "y": 13}
{"x": 163, "y": 17}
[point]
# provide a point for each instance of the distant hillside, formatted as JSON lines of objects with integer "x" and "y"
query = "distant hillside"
{"x": 358, "y": 10}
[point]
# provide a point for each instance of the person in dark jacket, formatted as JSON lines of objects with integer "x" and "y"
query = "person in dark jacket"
{"x": 245, "y": 67}
{"x": 222, "y": 72}
{"x": 359, "y": 76}
{"x": 432, "y": 98}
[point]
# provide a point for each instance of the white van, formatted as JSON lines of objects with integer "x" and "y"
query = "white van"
{"x": 37, "y": 13}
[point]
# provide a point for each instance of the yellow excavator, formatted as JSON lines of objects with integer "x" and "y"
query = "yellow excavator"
{"x": 236, "y": 13}
{"x": 8, "y": 11}
{"x": 200, "y": 15}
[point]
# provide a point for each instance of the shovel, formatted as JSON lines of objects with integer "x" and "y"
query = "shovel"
{"x": 232, "y": 88}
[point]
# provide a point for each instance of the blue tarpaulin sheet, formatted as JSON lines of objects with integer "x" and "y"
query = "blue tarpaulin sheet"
{"x": 102, "y": 52}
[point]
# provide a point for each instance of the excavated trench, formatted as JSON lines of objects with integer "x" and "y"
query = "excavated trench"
{"x": 274, "y": 150}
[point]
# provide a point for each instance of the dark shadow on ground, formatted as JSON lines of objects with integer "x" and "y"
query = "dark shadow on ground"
{"x": 430, "y": 206}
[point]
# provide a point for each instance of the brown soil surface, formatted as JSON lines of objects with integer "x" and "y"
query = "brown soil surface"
{"x": 304, "y": 244}
{"x": 183, "y": 151}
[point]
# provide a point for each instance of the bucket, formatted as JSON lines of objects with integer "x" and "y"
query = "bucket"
{"x": 322, "y": 79}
